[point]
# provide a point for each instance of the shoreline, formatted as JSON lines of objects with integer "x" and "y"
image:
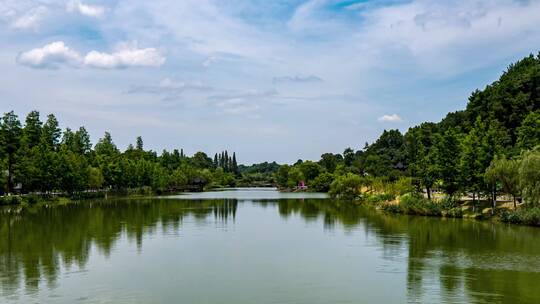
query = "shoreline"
{"x": 408, "y": 204}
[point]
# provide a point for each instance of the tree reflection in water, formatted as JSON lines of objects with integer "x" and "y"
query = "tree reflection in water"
{"x": 472, "y": 260}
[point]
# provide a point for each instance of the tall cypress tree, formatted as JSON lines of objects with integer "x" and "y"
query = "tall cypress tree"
{"x": 10, "y": 139}
{"x": 234, "y": 164}
{"x": 226, "y": 161}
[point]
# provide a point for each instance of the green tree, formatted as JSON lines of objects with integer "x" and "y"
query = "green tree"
{"x": 447, "y": 163}
{"x": 322, "y": 182}
{"x": 471, "y": 161}
{"x": 329, "y": 161}
{"x": 295, "y": 176}
{"x": 282, "y": 176}
{"x": 529, "y": 132}
{"x": 504, "y": 173}
{"x": 529, "y": 174}
{"x": 105, "y": 146}
{"x": 139, "y": 144}
{"x": 50, "y": 134}
{"x": 310, "y": 170}
{"x": 32, "y": 130}
{"x": 95, "y": 178}
{"x": 10, "y": 139}
{"x": 346, "y": 186}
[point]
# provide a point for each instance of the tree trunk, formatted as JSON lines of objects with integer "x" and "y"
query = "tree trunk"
{"x": 9, "y": 177}
{"x": 473, "y": 201}
{"x": 428, "y": 190}
{"x": 494, "y": 200}
{"x": 513, "y": 196}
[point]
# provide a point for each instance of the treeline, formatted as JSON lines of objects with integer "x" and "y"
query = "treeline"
{"x": 38, "y": 157}
{"x": 486, "y": 150}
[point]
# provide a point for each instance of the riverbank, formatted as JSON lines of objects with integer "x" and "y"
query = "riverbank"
{"x": 31, "y": 199}
{"x": 415, "y": 204}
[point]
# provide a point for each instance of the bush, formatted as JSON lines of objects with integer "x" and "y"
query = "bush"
{"x": 32, "y": 199}
{"x": 87, "y": 195}
{"x": 449, "y": 202}
{"x": 346, "y": 187}
{"x": 392, "y": 208}
{"x": 379, "y": 198}
{"x": 322, "y": 182}
{"x": 527, "y": 216}
{"x": 10, "y": 200}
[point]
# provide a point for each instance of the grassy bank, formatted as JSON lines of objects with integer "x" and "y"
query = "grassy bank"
{"x": 416, "y": 204}
{"x": 32, "y": 199}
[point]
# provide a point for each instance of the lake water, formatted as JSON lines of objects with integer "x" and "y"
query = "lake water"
{"x": 258, "y": 246}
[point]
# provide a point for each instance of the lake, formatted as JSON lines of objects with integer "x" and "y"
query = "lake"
{"x": 258, "y": 246}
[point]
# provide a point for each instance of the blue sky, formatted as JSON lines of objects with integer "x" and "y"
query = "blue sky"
{"x": 271, "y": 80}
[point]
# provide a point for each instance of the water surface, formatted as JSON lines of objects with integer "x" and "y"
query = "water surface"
{"x": 258, "y": 246}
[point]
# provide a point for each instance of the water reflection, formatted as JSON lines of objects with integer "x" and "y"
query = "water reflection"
{"x": 471, "y": 261}
{"x": 36, "y": 241}
{"x": 446, "y": 260}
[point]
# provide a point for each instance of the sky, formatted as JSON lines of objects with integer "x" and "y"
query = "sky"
{"x": 271, "y": 80}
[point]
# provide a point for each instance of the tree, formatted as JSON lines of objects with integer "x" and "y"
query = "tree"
{"x": 329, "y": 161}
{"x": 504, "y": 173}
{"x": 528, "y": 134}
{"x": 50, "y": 134}
{"x": 234, "y": 164}
{"x": 295, "y": 176}
{"x": 105, "y": 146}
{"x": 82, "y": 144}
{"x": 202, "y": 161}
{"x": 310, "y": 170}
{"x": 529, "y": 175}
{"x": 322, "y": 182}
{"x": 139, "y": 144}
{"x": 10, "y": 139}
{"x": 346, "y": 186}
{"x": 74, "y": 168}
{"x": 471, "y": 161}
{"x": 27, "y": 171}
{"x": 447, "y": 163}
{"x": 348, "y": 157}
{"x": 282, "y": 176}
{"x": 32, "y": 130}
{"x": 95, "y": 178}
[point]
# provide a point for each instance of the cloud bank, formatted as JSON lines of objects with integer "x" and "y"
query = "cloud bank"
{"x": 57, "y": 54}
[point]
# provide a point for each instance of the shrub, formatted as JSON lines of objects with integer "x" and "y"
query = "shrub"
{"x": 346, "y": 186}
{"x": 392, "y": 208}
{"x": 416, "y": 204}
{"x": 379, "y": 198}
{"x": 10, "y": 200}
{"x": 322, "y": 182}
{"x": 527, "y": 216}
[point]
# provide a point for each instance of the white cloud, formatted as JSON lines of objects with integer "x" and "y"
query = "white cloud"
{"x": 52, "y": 55}
{"x": 297, "y": 79}
{"x": 209, "y": 61}
{"x": 95, "y": 11}
{"x": 449, "y": 37}
{"x": 125, "y": 56}
{"x": 56, "y": 54}
{"x": 390, "y": 118}
{"x": 30, "y": 20}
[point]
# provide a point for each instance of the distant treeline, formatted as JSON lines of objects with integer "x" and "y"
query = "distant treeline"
{"x": 38, "y": 157}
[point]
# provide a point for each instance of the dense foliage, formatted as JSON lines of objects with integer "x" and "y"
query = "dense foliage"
{"x": 484, "y": 151}
{"x": 37, "y": 157}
